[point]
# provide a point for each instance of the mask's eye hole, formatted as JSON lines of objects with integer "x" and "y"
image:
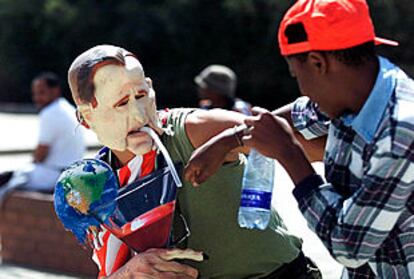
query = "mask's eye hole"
{"x": 140, "y": 94}
{"x": 122, "y": 102}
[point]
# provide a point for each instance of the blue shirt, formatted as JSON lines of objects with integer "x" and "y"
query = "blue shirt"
{"x": 363, "y": 210}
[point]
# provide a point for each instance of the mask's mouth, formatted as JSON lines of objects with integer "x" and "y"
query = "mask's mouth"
{"x": 137, "y": 131}
{"x": 164, "y": 151}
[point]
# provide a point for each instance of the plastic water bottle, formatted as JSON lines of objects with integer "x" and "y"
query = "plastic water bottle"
{"x": 256, "y": 196}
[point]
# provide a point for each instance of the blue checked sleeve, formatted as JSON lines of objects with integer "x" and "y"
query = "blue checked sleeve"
{"x": 353, "y": 229}
{"x": 308, "y": 119}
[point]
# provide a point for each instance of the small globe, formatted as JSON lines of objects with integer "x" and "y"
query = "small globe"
{"x": 85, "y": 195}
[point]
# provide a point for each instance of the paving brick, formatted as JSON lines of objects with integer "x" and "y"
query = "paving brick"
{"x": 32, "y": 235}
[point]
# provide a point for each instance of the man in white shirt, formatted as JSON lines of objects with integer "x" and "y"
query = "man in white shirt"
{"x": 60, "y": 142}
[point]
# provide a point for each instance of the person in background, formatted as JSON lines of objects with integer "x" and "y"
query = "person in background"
{"x": 60, "y": 141}
{"x": 216, "y": 86}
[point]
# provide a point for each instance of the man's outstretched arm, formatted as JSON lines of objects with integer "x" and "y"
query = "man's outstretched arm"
{"x": 226, "y": 141}
{"x": 213, "y": 135}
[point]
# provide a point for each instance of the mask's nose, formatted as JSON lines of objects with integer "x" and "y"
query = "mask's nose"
{"x": 135, "y": 113}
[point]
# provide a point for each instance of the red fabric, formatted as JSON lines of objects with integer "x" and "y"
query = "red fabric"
{"x": 124, "y": 174}
{"x": 122, "y": 256}
{"x": 148, "y": 163}
{"x": 124, "y": 253}
{"x": 330, "y": 25}
{"x": 164, "y": 116}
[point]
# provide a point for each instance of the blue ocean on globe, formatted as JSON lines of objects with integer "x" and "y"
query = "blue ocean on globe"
{"x": 85, "y": 196}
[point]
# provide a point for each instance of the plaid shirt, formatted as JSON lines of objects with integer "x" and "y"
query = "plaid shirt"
{"x": 364, "y": 211}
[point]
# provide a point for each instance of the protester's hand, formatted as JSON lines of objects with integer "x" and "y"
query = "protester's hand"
{"x": 204, "y": 162}
{"x": 273, "y": 137}
{"x": 159, "y": 263}
{"x": 270, "y": 135}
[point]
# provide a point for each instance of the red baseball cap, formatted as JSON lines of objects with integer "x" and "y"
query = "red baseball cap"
{"x": 329, "y": 25}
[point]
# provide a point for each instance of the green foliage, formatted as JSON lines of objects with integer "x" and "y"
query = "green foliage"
{"x": 174, "y": 39}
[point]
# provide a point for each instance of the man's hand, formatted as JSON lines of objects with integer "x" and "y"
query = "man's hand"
{"x": 273, "y": 137}
{"x": 159, "y": 263}
{"x": 269, "y": 134}
{"x": 208, "y": 158}
{"x": 204, "y": 162}
{"x": 40, "y": 153}
{"x": 212, "y": 133}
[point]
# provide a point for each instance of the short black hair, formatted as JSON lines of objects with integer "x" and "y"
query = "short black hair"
{"x": 354, "y": 56}
{"x": 52, "y": 80}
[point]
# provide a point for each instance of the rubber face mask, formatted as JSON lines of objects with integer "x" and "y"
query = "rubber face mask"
{"x": 125, "y": 103}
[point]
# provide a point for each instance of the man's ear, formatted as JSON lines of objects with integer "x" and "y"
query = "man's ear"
{"x": 318, "y": 61}
{"x": 149, "y": 82}
{"x": 81, "y": 119}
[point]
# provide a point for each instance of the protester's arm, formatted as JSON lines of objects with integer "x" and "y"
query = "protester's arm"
{"x": 351, "y": 228}
{"x": 213, "y": 133}
{"x": 202, "y": 125}
{"x": 40, "y": 153}
{"x": 273, "y": 137}
{"x": 159, "y": 263}
{"x": 206, "y": 160}
{"x": 314, "y": 148}
{"x": 48, "y": 133}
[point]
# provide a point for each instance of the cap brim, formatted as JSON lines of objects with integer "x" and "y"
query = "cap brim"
{"x": 382, "y": 41}
{"x": 200, "y": 82}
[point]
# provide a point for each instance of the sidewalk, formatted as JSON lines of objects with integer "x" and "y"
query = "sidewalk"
{"x": 287, "y": 207}
{"x": 8, "y": 271}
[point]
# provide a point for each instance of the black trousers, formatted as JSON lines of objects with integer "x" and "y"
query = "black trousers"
{"x": 5, "y": 177}
{"x": 300, "y": 268}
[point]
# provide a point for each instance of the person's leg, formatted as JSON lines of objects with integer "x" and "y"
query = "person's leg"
{"x": 17, "y": 180}
{"x": 42, "y": 178}
{"x": 5, "y": 177}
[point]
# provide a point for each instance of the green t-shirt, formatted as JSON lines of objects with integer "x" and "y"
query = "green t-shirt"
{"x": 211, "y": 212}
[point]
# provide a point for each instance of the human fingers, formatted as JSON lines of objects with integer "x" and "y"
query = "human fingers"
{"x": 171, "y": 266}
{"x": 140, "y": 275}
{"x": 201, "y": 177}
{"x": 258, "y": 120}
{"x": 248, "y": 140}
{"x": 157, "y": 275}
{"x": 258, "y": 110}
{"x": 173, "y": 275}
{"x": 191, "y": 172}
{"x": 188, "y": 171}
{"x": 249, "y": 121}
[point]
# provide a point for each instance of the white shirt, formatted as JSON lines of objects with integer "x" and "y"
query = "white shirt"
{"x": 60, "y": 130}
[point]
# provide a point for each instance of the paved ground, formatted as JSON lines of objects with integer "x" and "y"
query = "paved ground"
{"x": 22, "y": 134}
{"x": 13, "y": 272}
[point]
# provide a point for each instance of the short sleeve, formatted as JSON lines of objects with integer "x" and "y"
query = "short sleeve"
{"x": 48, "y": 128}
{"x": 308, "y": 119}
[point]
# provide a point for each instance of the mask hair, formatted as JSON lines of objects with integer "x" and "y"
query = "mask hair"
{"x": 82, "y": 70}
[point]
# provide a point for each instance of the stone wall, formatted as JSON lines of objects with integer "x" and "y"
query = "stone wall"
{"x": 31, "y": 235}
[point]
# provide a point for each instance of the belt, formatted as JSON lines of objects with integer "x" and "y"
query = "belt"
{"x": 301, "y": 267}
